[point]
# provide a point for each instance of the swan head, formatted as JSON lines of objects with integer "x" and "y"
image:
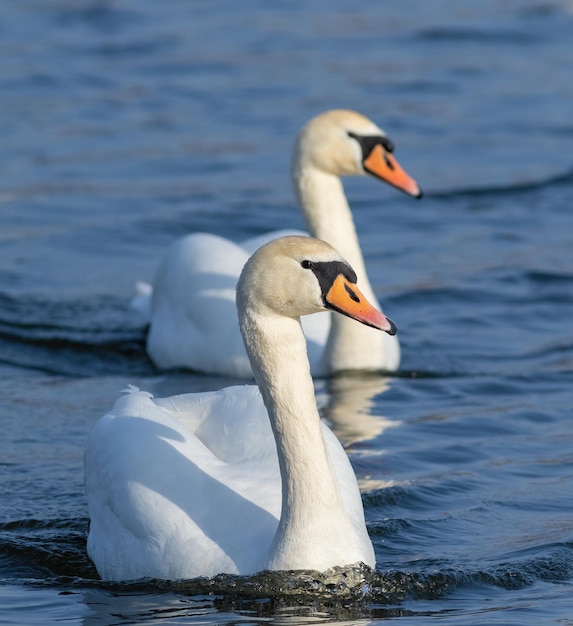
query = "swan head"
{"x": 294, "y": 276}
{"x": 342, "y": 142}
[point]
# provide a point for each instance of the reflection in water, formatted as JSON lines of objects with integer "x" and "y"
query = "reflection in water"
{"x": 142, "y": 607}
{"x": 347, "y": 404}
{"x": 348, "y": 410}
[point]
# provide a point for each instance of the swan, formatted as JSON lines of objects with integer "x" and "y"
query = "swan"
{"x": 192, "y": 311}
{"x": 242, "y": 479}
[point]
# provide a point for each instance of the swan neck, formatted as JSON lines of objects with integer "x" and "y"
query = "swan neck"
{"x": 285, "y": 382}
{"x": 328, "y": 216}
{"x": 311, "y": 498}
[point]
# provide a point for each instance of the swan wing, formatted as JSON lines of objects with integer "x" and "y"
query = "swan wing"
{"x": 193, "y": 315}
{"x": 182, "y": 487}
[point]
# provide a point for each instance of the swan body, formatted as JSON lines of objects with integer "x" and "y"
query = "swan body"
{"x": 242, "y": 479}
{"x": 192, "y": 319}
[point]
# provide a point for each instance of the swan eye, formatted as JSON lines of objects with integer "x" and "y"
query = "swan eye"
{"x": 306, "y": 264}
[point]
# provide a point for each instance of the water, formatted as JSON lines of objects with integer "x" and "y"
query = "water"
{"x": 127, "y": 124}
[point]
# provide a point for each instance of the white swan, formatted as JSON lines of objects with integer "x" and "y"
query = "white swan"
{"x": 192, "y": 319}
{"x": 200, "y": 484}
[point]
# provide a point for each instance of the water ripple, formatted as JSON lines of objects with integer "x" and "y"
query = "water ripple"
{"x": 473, "y": 36}
{"x": 80, "y": 338}
{"x": 52, "y": 553}
{"x": 557, "y": 180}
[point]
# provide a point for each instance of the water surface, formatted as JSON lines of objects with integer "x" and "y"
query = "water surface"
{"x": 127, "y": 124}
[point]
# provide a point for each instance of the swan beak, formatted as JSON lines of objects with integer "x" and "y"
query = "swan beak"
{"x": 344, "y": 297}
{"x": 383, "y": 165}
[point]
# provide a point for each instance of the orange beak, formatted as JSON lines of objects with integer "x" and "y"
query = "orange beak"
{"x": 345, "y": 298}
{"x": 383, "y": 165}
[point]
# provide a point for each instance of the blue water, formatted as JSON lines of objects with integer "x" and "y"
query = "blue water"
{"x": 126, "y": 124}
